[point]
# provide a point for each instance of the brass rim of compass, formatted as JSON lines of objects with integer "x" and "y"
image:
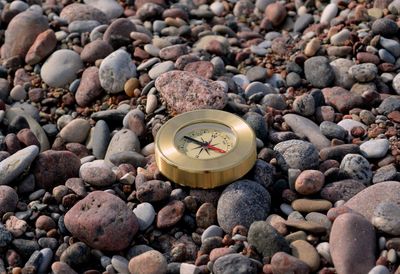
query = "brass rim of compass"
{"x": 209, "y": 173}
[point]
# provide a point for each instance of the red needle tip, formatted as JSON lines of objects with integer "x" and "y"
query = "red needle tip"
{"x": 215, "y": 148}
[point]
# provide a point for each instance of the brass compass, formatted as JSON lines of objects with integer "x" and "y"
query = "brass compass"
{"x": 205, "y": 148}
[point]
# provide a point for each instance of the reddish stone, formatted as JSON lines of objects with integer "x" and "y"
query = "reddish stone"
{"x": 12, "y": 143}
{"x": 118, "y": 33}
{"x": 170, "y": 214}
{"x": 8, "y": 199}
{"x": 36, "y": 95}
{"x": 276, "y": 13}
{"x": 206, "y": 215}
{"x": 283, "y": 263}
{"x": 309, "y": 182}
{"x": 26, "y": 137}
{"x": 103, "y": 221}
{"x": 394, "y": 116}
{"x": 219, "y": 252}
{"x": 44, "y": 44}
{"x": 201, "y": 68}
{"x": 77, "y": 149}
{"x": 98, "y": 49}
{"x": 89, "y": 88}
{"x": 366, "y": 57}
{"x": 52, "y": 168}
{"x": 342, "y": 99}
{"x": 173, "y": 52}
{"x": 45, "y": 223}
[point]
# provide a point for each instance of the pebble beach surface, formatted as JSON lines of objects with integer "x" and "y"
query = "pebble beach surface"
{"x": 85, "y": 86}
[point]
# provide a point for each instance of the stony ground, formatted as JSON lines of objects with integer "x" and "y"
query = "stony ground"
{"x": 84, "y": 87}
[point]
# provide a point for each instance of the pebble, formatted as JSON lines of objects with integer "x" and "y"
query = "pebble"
{"x": 379, "y": 269}
{"x": 110, "y": 8}
{"x": 311, "y": 205}
{"x": 115, "y": 70}
{"x": 123, "y": 140}
{"x": 319, "y": 72}
{"x": 43, "y": 45}
{"x": 375, "y": 148}
{"x": 97, "y": 173}
{"x": 89, "y": 87}
{"x": 341, "y": 190}
{"x": 282, "y": 263}
{"x": 98, "y": 49}
{"x": 9, "y": 199}
{"x": 212, "y": 231}
{"x": 61, "y": 68}
{"x": 364, "y": 72}
{"x": 242, "y": 203}
{"x": 332, "y": 130}
{"x": 145, "y": 214}
{"x": 340, "y": 38}
{"x": 14, "y": 165}
{"x": 329, "y": 13}
{"x": 386, "y": 219}
{"x": 306, "y": 253}
{"x": 385, "y": 27}
{"x": 309, "y": 182}
{"x": 78, "y": 11}
{"x": 352, "y": 234}
{"x": 234, "y": 263}
{"x": 266, "y": 240}
{"x": 297, "y": 154}
{"x": 161, "y": 68}
{"x": 154, "y": 261}
{"x": 385, "y": 173}
{"x": 75, "y": 131}
{"x": 177, "y": 86}
{"x": 103, "y": 221}
{"x": 120, "y": 264}
{"x": 390, "y": 45}
{"x": 357, "y": 167}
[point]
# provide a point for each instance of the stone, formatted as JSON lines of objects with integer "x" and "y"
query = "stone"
{"x": 366, "y": 201}
{"x": 309, "y": 182}
{"x": 153, "y": 191}
{"x": 76, "y": 254}
{"x": 150, "y": 262}
{"x": 332, "y": 130}
{"x": 307, "y": 253}
{"x": 120, "y": 264}
{"x": 145, "y": 214}
{"x": 16, "y": 226}
{"x": 115, "y": 70}
{"x": 389, "y": 104}
{"x": 385, "y": 27}
{"x": 282, "y": 263}
{"x": 98, "y": 49}
{"x": 257, "y": 122}
{"x": 118, "y": 35}
{"x": 8, "y": 199}
{"x": 185, "y": 91}
{"x": 376, "y": 148}
{"x": 43, "y": 45}
{"x": 311, "y": 205}
{"x": 385, "y": 173}
{"x": 61, "y": 268}
{"x": 379, "y": 269}
{"x": 365, "y": 72}
{"x": 234, "y": 263}
{"x": 83, "y": 26}
{"x": 266, "y": 239}
{"x": 341, "y": 99}
{"x": 357, "y": 167}
{"x": 75, "y": 131}
{"x": 103, "y": 221}
{"x": 304, "y": 127}
{"x": 101, "y": 140}
{"x": 161, "y": 68}
{"x": 89, "y": 88}
{"x": 21, "y": 33}
{"x": 386, "y": 218}
{"x": 61, "y": 68}
{"x": 242, "y": 203}
{"x": 352, "y": 234}
{"x": 297, "y": 154}
{"x": 341, "y": 190}
{"x": 340, "y": 38}
{"x": 202, "y": 68}
{"x": 276, "y": 13}
{"x": 170, "y": 214}
{"x": 319, "y": 72}
{"x": 81, "y": 12}
{"x": 173, "y": 52}
{"x": 302, "y": 22}
{"x": 52, "y": 168}
{"x": 97, "y": 173}
{"x": 390, "y": 45}
{"x": 111, "y": 8}
{"x": 304, "y": 105}
{"x": 329, "y": 13}
{"x": 209, "y": 41}
{"x": 14, "y": 165}
{"x": 275, "y": 101}
{"x": 123, "y": 140}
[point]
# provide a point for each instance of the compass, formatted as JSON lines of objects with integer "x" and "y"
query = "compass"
{"x": 205, "y": 148}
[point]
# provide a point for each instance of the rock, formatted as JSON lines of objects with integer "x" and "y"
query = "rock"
{"x": 275, "y": 101}
{"x": 209, "y": 41}
{"x": 389, "y": 104}
{"x": 103, "y": 221}
{"x": 319, "y": 72}
{"x": 120, "y": 264}
{"x": 21, "y": 33}
{"x": 81, "y": 12}
{"x": 379, "y": 269}
{"x": 375, "y": 148}
{"x": 309, "y": 182}
{"x": 302, "y": 22}
{"x": 341, "y": 99}
{"x": 352, "y": 234}
{"x": 8, "y": 200}
{"x": 115, "y": 70}
{"x": 83, "y": 26}
{"x": 390, "y": 45}
{"x": 98, "y": 49}
{"x": 75, "y": 131}
{"x": 282, "y": 263}
{"x": 97, "y": 173}
{"x": 385, "y": 173}
{"x": 234, "y": 263}
{"x": 44, "y": 44}
{"x": 262, "y": 172}
{"x": 340, "y": 38}
{"x": 304, "y": 127}
{"x": 14, "y": 165}
{"x": 185, "y": 91}
{"x": 111, "y": 8}
{"x": 201, "y": 68}
{"x": 257, "y": 122}
{"x": 154, "y": 262}
{"x": 242, "y": 203}
{"x": 332, "y": 130}
{"x": 366, "y": 201}
{"x": 170, "y": 214}
{"x": 173, "y": 52}
{"x": 52, "y": 168}
{"x": 153, "y": 191}
{"x": 304, "y": 105}
{"x": 341, "y": 68}
{"x": 364, "y": 72}
{"x": 16, "y": 226}
{"x": 329, "y": 13}
{"x": 123, "y": 140}
{"x": 61, "y": 268}
{"x": 306, "y": 253}
{"x": 311, "y": 205}
{"x": 76, "y": 254}
{"x": 145, "y": 214}
{"x": 61, "y": 68}
{"x": 341, "y": 190}
{"x": 386, "y": 218}
{"x": 297, "y": 154}
{"x": 161, "y": 68}
{"x": 89, "y": 88}
{"x": 276, "y": 13}
{"x": 385, "y": 27}
{"x": 266, "y": 240}
{"x": 118, "y": 35}
{"x": 357, "y": 167}
{"x": 101, "y": 140}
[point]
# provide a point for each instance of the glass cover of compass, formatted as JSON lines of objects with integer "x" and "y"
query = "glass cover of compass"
{"x": 205, "y": 148}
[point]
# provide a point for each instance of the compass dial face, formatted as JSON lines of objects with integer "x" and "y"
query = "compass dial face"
{"x": 205, "y": 140}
